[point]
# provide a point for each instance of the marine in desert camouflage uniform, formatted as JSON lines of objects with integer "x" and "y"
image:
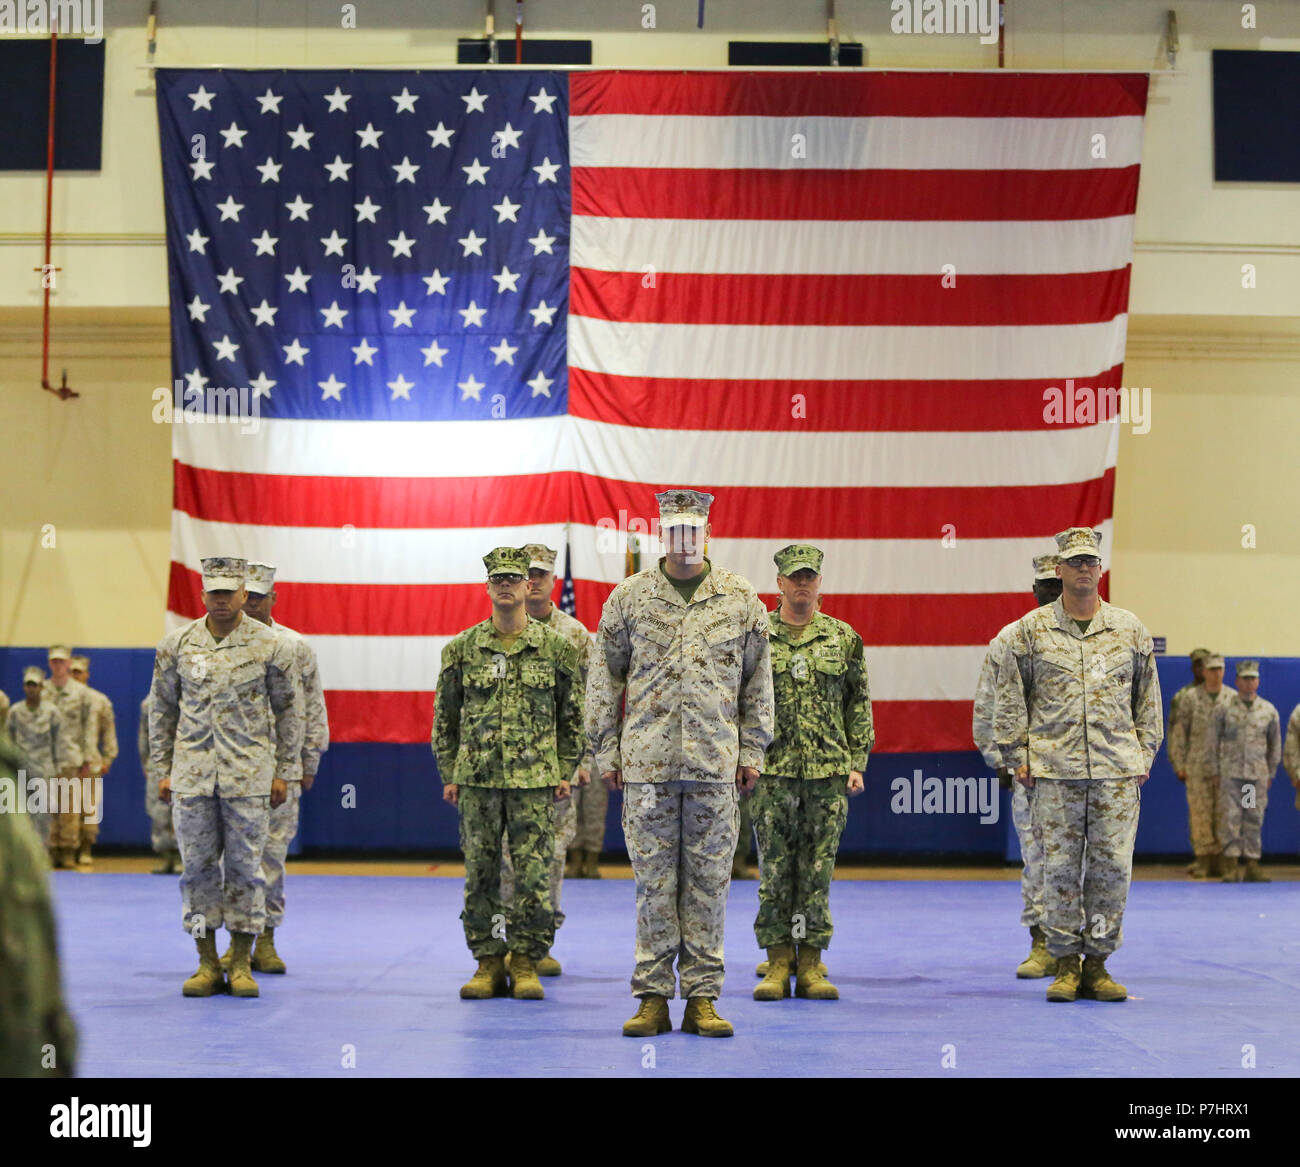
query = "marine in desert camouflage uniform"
{"x": 686, "y": 644}
{"x": 1077, "y": 715}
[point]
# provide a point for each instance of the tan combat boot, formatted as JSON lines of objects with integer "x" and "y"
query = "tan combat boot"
{"x": 548, "y": 966}
{"x": 1097, "y": 984}
{"x": 573, "y": 864}
{"x": 1236, "y": 872}
{"x": 589, "y": 868}
{"x": 265, "y": 957}
{"x": 1201, "y": 868}
{"x": 208, "y": 979}
{"x": 650, "y": 1019}
{"x": 241, "y": 975}
{"x": 1220, "y": 864}
{"x": 489, "y": 980}
{"x": 1068, "y": 975}
{"x": 1039, "y": 962}
{"x": 84, "y": 860}
{"x": 524, "y": 985}
{"x": 810, "y": 981}
{"x": 702, "y": 1018}
{"x": 760, "y": 969}
{"x": 1252, "y": 874}
{"x": 780, "y": 968}
{"x": 227, "y": 955}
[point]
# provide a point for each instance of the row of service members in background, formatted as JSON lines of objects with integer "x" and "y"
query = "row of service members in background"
{"x": 65, "y": 730}
{"x": 692, "y": 687}
{"x": 1225, "y": 746}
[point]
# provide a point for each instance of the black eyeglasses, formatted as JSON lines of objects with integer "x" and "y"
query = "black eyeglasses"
{"x": 1079, "y": 562}
{"x": 505, "y": 577}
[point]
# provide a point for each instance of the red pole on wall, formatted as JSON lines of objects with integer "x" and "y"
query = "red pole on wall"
{"x": 47, "y": 270}
{"x": 519, "y": 32}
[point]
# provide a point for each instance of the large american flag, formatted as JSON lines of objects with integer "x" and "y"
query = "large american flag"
{"x": 496, "y": 307}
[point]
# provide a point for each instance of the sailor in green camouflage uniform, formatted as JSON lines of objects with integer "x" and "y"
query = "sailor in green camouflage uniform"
{"x": 37, "y": 1036}
{"x": 1039, "y": 962}
{"x": 816, "y": 760}
{"x": 1245, "y": 747}
{"x": 686, "y": 643}
{"x": 1077, "y": 714}
{"x": 507, "y": 733}
{"x": 541, "y": 582}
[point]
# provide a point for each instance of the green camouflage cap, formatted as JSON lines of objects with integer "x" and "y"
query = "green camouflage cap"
{"x": 32, "y": 673}
{"x": 798, "y": 557}
{"x": 1214, "y": 661}
{"x": 1198, "y": 654}
{"x": 260, "y": 578}
{"x": 60, "y": 652}
{"x": 1079, "y": 541}
{"x": 539, "y": 555}
{"x": 223, "y": 573}
{"x": 1045, "y": 566}
{"x": 683, "y": 508}
{"x": 506, "y": 561}
{"x": 1248, "y": 668}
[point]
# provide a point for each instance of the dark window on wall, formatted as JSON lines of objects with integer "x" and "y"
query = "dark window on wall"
{"x": 25, "y": 102}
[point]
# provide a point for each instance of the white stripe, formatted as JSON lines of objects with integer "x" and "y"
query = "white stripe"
{"x": 377, "y": 449}
{"x": 403, "y": 664}
{"x": 755, "y": 352}
{"x": 854, "y": 143}
{"x": 374, "y": 449}
{"x": 455, "y": 556}
{"x": 869, "y": 247}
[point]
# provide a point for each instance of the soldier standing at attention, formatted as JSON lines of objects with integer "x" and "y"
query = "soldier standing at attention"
{"x": 36, "y": 727}
{"x": 687, "y": 644}
{"x": 1077, "y": 714}
{"x": 283, "y": 823}
{"x": 218, "y": 684}
{"x": 1039, "y": 962}
{"x": 1188, "y": 753}
{"x": 72, "y": 699}
{"x": 507, "y": 733}
{"x": 537, "y": 602}
{"x": 102, "y": 741}
{"x": 4, "y": 708}
{"x": 161, "y": 835}
{"x": 823, "y": 737}
{"x": 1197, "y": 658}
{"x": 1245, "y": 747}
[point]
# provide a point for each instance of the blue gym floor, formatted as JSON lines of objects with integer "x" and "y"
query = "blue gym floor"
{"x": 925, "y": 971}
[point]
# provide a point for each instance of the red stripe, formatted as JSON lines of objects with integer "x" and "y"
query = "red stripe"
{"x": 909, "y": 727}
{"x": 361, "y": 715}
{"x": 445, "y": 609}
{"x": 824, "y": 406}
{"x": 903, "y": 195}
{"x": 847, "y": 300}
{"x": 867, "y": 512}
{"x": 753, "y": 512}
{"x": 971, "y": 95}
{"x": 901, "y": 726}
{"x": 296, "y": 500}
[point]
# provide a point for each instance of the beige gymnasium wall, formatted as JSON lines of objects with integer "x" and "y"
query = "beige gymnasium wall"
{"x": 84, "y": 530}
